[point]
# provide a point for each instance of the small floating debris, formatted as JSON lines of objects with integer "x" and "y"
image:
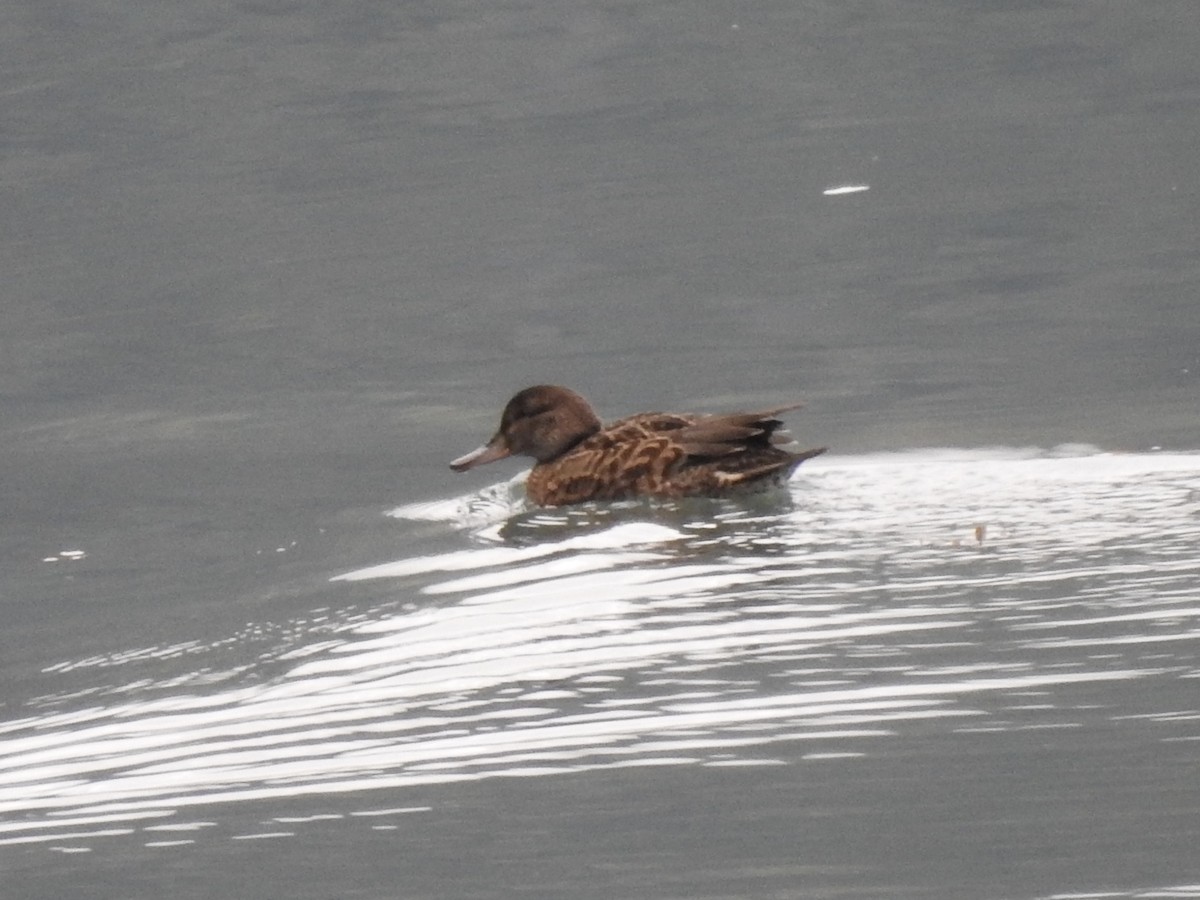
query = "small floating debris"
{"x": 845, "y": 189}
{"x": 67, "y": 555}
{"x": 978, "y": 534}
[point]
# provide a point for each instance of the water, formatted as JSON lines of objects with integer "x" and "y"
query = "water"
{"x": 268, "y": 266}
{"x": 1012, "y": 635}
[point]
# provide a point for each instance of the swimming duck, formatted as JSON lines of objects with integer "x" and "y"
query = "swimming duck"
{"x": 645, "y": 455}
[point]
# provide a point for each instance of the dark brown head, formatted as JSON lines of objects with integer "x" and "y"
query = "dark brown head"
{"x": 544, "y": 421}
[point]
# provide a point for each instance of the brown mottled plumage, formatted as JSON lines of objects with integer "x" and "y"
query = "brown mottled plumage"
{"x": 649, "y": 454}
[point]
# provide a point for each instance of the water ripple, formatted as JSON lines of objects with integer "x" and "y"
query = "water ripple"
{"x": 975, "y": 592}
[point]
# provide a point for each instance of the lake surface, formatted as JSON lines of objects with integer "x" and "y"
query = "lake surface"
{"x": 269, "y": 266}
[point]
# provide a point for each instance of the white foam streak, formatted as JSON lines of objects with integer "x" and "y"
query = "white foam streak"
{"x": 627, "y": 535}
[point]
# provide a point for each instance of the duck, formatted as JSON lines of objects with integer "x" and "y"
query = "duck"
{"x": 578, "y": 459}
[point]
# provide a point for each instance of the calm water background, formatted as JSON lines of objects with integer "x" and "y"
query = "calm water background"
{"x": 267, "y": 266}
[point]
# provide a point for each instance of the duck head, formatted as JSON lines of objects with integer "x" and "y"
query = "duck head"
{"x": 544, "y": 421}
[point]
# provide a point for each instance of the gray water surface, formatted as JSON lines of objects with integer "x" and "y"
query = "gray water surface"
{"x": 269, "y": 265}
{"x": 1002, "y": 645}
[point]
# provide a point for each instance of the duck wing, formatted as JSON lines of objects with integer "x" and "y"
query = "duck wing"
{"x": 670, "y": 455}
{"x": 725, "y": 434}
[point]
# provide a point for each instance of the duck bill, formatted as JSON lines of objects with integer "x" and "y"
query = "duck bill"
{"x": 481, "y": 456}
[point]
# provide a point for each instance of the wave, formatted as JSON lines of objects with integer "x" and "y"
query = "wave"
{"x": 934, "y": 590}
